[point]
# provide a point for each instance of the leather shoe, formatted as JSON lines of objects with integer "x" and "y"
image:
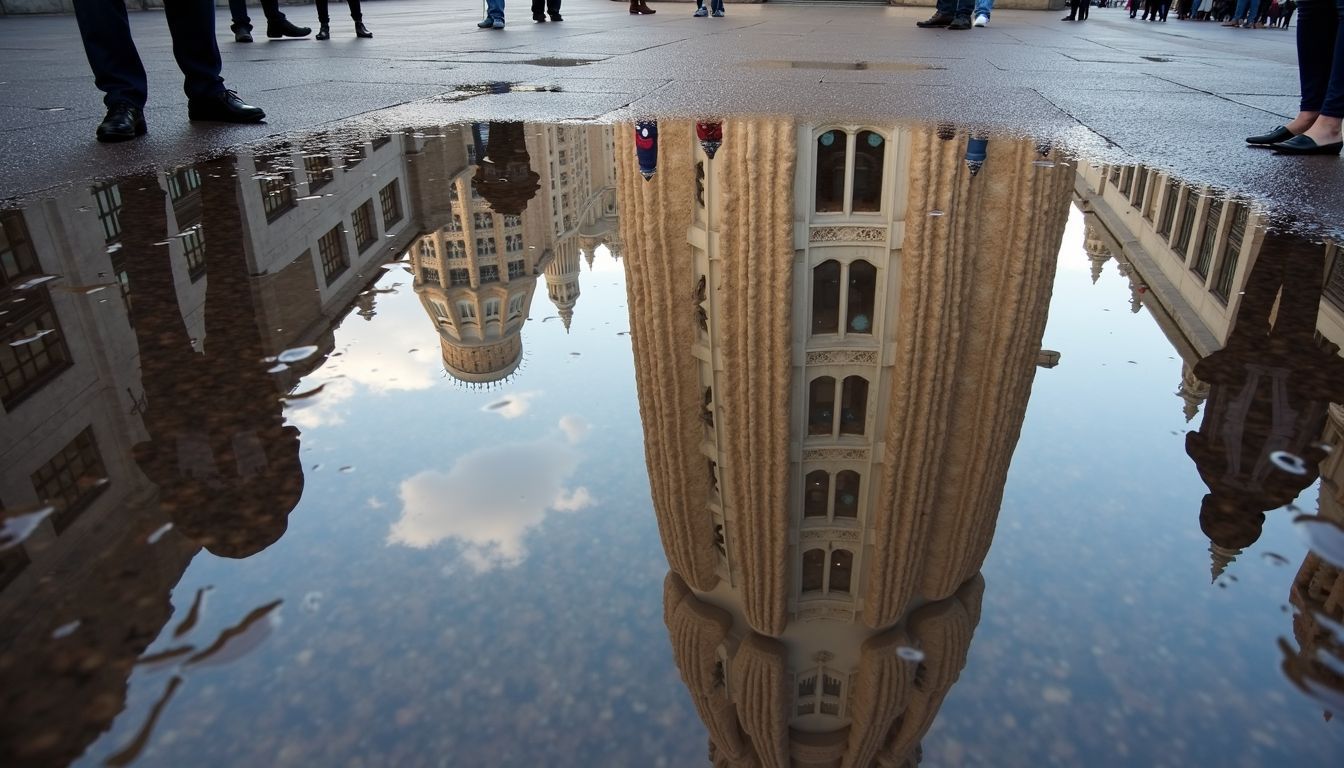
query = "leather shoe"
{"x": 961, "y": 22}
{"x": 323, "y": 32}
{"x": 361, "y": 30}
{"x": 122, "y": 123}
{"x": 242, "y": 36}
{"x": 285, "y": 28}
{"x": 557, "y": 17}
{"x": 539, "y": 17}
{"x": 224, "y": 107}
{"x": 1303, "y": 145}
{"x": 1274, "y": 136}
{"x": 486, "y": 23}
{"x": 936, "y": 20}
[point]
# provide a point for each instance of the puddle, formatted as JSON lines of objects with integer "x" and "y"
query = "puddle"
{"x": 572, "y": 444}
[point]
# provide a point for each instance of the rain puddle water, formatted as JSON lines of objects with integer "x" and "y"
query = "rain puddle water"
{"x": 588, "y": 445}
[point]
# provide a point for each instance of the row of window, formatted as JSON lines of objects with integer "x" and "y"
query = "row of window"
{"x": 69, "y": 481}
{"x": 1175, "y": 210}
{"x": 490, "y": 309}
{"x": 486, "y": 273}
{"x": 331, "y": 246}
{"x": 32, "y": 346}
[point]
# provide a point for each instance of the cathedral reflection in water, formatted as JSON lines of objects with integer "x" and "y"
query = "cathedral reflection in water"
{"x": 832, "y": 376}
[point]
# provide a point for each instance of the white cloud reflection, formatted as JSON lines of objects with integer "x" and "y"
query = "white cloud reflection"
{"x": 490, "y": 499}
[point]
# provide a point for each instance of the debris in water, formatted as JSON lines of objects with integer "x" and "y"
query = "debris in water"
{"x": 296, "y": 354}
{"x": 1325, "y": 537}
{"x": 910, "y": 654}
{"x": 65, "y": 630}
{"x": 158, "y": 533}
{"x": 20, "y": 524}
{"x": 31, "y": 339}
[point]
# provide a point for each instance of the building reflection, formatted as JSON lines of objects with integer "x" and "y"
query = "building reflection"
{"x": 1257, "y": 316}
{"x": 151, "y": 396}
{"x": 492, "y": 225}
{"x": 825, "y": 465}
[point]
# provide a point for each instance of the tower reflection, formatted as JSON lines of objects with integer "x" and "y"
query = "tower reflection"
{"x": 832, "y": 376}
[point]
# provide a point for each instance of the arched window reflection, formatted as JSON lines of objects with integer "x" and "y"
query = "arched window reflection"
{"x": 831, "y": 147}
{"x": 814, "y": 569}
{"x": 818, "y": 486}
{"x": 847, "y": 494}
{"x": 862, "y": 296}
{"x": 869, "y": 149}
{"x": 826, "y": 297}
{"x": 821, "y": 406}
{"x": 842, "y": 566}
{"x": 853, "y": 405}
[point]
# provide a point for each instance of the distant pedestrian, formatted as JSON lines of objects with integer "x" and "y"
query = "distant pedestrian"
{"x": 982, "y": 11}
{"x": 324, "y": 20}
{"x": 118, "y": 72}
{"x": 950, "y": 14}
{"x": 542, "y": 7}
{"x": 494, "y": 15}
{"x": 1320, "y": 66}
{"x": 1287, "y": 14}
{"x": 1078, "y": 10}
{"x": 716, "y": 6}
{"x": 641, "y": 8}
{"x": 276, "y": 23}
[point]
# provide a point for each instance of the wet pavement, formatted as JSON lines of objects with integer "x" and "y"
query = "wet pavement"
{"x": 1178, "y": 96}
{"x": 763, "y": 441}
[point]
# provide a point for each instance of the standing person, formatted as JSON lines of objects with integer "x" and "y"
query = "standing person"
{"x": 1287, "y": 14}
{"x": 701, "y": 11}
{"x": 494, "y": 15}
{"x": 1245, "y": 13}
{"x": 641, "y": 8}
{"x": 952, "y": 14}
{"x": 118, "y": 72}
{"x": 542, "y": 7}
{"x": 1078, "y": 10}
{"x": 323, "y": 20}
{"x": 982, "y": 11}
{"x": 1320, "y": 66}
{"x": 276, "y": 23}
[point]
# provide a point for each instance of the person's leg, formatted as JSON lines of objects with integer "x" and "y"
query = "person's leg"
{"x": 538, "y": 10}
{"x": 1073, "y": 11}
{"x": 1328, "y": 20}
{"x": 117, "y": 70}
{"x": 1083, "y": 7}
{"x": 494, "y": 10}
{"x": 323, "y": 13}
{"x": 553, "y": 8}
{"x": 355, "y": 13}
{"x": 1315, "y": 57}
{"x": 192, "y": 25}
{"x": 984, "y": 8}
{"x": 238, "y": 10}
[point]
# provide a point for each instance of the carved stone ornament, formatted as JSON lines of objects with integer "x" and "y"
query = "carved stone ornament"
{"x": 824, "y": 613}
{"x": 843, "y": 357}
{"x": 835, "y": 454}
{"x": 848, "y": 235}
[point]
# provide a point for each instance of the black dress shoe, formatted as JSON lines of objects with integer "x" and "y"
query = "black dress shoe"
{"x": 285, "y": 28}
{"x": 224, "y": 107}
{"x": 539, "y": 17}
{"x": 323, "y": 32}
{"x": 242, "y": 35}
{"x": 361, "y": 30}
{"x": 1274, "y": 136}
{"x": 557, "y": 17}
{"x": 960, "y": 22}
{"x": 936, "y": 20}
{"x": 1303, "y": 145}
{"x": 122, "y": 123}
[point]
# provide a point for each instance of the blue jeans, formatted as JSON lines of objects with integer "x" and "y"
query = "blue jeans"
{"x": 117, "y": 69}
{"x": 983, "y": 7}
{"x": 956, "y": 7}
{"x": 1245, "y": 8}
{"x": 494, "y": 9}
{"x": 1320, "y": 56}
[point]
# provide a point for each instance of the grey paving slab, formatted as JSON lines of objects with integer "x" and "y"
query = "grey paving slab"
{"x": 1178, "y": 95}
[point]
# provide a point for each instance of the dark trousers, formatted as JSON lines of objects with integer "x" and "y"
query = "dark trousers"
{"x": 1078, "y": 9}
{"x": 323, "y": 18}
{"x": 117, "y": 69}
{"x": 1320, "y": 56}
{"x": 238, "y": 10}
{"x": 548, "y": 6}
{"x": 956, "y": 7}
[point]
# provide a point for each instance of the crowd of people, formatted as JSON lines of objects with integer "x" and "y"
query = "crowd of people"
{"x": 1251, "y": 14}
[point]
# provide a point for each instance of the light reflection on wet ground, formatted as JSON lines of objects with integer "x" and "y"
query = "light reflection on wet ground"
{"x": 393, "y": 390}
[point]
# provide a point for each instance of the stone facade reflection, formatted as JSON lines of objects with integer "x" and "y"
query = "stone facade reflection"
{"x": 491, "y": 225}
{"x": 173, "y": 291}
{"x": 832, "y": 377}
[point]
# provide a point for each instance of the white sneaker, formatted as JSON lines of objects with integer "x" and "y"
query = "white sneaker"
{"x": 980, "y": 20}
